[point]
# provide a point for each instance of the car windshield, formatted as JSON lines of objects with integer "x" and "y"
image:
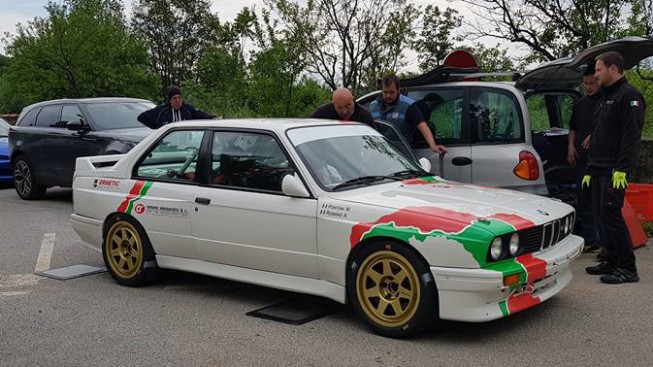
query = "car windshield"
{"x": 4, "y": 128}
{"x": 342, "y": 157}
{"x": 117, "y": 115}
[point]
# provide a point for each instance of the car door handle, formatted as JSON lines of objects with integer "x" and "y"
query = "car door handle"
{"x": 461, "y": 161}
{"x": 203, "y": 201}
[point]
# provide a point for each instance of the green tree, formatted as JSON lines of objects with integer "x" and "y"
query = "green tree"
{"x": 178, "y": 33}
{"x": 435, "y": 38}
{"x": 490, "y": 59}
{"x": 82, "y": 49}
{"x": 348, "y": 43}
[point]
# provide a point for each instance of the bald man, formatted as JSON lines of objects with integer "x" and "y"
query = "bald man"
{"x": 343, "y": 107}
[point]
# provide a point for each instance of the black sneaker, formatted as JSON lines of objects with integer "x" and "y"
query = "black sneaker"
{"x": 620, "y": 275}
{"x": 603, "y": 268}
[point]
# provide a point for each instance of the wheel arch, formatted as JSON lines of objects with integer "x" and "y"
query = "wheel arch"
{"x": 130, "y": 217}
{"x": 360, "y": 245}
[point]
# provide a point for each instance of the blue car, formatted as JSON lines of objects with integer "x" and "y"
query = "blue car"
{"x": 5, "y": 167}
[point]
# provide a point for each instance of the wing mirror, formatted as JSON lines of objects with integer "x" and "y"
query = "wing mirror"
{"x": 293, "y": 186}
{"x": 425, "y": 164}
{"x": 77, "y": 125}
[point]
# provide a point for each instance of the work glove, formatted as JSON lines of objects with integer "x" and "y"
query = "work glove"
{"x": 619, "y": 180}
{"x": 585, "y": 184}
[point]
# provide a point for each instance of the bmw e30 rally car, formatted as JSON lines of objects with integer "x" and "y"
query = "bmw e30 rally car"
{"x": 326, "y": 208}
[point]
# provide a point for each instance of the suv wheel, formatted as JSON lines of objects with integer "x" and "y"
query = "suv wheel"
{"x": 25, "y": 181}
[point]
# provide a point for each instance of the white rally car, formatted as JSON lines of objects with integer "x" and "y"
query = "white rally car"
{"x": 325, "y": 208}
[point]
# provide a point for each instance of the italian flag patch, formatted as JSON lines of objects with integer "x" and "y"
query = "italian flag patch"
{"x": 634, "y": 103}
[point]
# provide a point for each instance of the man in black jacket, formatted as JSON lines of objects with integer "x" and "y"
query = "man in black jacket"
{"x": 582, "y": 121}
{"x": 172, "y": 111}
{"x": 343, "y": 107}
{"x": 613, "y": 152}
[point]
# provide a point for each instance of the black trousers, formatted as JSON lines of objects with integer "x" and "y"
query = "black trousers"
{"x": 588, "y": 217}
{"x": 613, "y": 232}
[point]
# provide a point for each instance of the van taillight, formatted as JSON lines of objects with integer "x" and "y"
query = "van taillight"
{"x": 527, "y": 168}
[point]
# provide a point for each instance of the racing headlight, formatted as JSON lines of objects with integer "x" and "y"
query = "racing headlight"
{"x": 514, "y": 244}
{"x": 496, "y": 248}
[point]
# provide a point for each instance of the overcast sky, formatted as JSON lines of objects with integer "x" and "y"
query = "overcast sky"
{"x": 22, "y": 11}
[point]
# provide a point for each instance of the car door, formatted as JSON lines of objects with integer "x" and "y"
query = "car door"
{"x": 164, "y": 184}
{"x": 444, "y": 110}
{"x": 80, "y": 143}
{"x": 44, "y": 149}
{"x": 242, "y": 218}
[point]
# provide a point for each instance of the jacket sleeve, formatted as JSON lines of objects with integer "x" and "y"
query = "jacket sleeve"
{"x": 631, "y": 134}
{"x": 198, "y": 114}
{"x": 149, "y": 117}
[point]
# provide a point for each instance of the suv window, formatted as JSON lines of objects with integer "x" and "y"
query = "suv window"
{"x": 49, "y": 116}
{"x": 443, "y": 111}
{"x": 495, "y": 116}
{"x": 248, "y": 160}
{"x": 30, "y": 118}
{"x": 173, "y": 158}
{"x": 70, "y": 112}
{"x": 117, "y": 115}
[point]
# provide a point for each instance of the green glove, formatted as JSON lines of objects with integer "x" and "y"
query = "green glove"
{"x": 619, "y": 180}
{"x": 586, "y": 182}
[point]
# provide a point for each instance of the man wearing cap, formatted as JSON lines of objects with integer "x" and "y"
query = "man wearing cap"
{"x": 172, "y": 111}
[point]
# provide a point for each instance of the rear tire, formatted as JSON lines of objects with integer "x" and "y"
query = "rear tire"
{"x": 391, "y": 289}
{"x": 25, "y": 180}
{"x": 127, "y": 252}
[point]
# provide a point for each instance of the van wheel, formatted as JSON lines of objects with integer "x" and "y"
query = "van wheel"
{"x": 391, "y": 288}
{"x": 127, "y": 252}
{"x": 25, "y": 180}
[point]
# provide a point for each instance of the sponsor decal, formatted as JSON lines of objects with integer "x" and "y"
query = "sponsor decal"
{"x": 472, "y": 234}
{"x": 104, "y": 183}
{"x": 139, "y": 209}
{"x": 137, "y": 191}
{"x": 334, "y": 211}
{"x": 165, "y": 211}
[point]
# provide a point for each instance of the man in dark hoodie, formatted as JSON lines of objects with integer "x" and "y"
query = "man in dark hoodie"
{"x": 172, "y": 111}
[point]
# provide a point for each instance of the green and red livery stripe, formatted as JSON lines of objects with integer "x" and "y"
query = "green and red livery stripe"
{"x": 473, "y": 234}
{"x": 137, "y": 191}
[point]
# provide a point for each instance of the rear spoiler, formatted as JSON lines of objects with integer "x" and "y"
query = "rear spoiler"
{"x": 92, "y": 164}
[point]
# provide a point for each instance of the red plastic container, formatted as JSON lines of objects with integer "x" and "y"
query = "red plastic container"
{"x": 640, "y": 197}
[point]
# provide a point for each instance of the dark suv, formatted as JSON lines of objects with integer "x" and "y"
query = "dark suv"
{"x": 50, "y": 135}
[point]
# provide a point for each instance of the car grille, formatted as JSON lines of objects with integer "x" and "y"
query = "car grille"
{"x": 544, "y": 236}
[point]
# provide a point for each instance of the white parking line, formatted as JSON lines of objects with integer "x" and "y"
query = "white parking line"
{"x": 27, "y": 280}
{"x": 45, "y": 255}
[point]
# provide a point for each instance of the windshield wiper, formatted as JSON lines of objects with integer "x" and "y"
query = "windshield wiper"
{"x": 409, "y": 172}
{"x": 363, "y": 180}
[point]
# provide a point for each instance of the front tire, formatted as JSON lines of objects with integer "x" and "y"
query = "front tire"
{"x": 127, "y": 252}
{"x": 391, "y": 289}
{"x": 25, "y": 180}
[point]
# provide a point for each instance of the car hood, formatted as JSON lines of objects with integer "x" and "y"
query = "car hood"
{"x": 449, "y": 198}
{"x": 567, "y": 72}
{"x": 132, "y": 134}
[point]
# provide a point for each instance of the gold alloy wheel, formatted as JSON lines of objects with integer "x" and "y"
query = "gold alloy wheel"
{"x": 124, "y": 249}
{"x": 388, "y": 289}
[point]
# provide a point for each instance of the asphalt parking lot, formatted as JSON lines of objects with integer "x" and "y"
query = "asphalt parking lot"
{"x": 192, "y": 320}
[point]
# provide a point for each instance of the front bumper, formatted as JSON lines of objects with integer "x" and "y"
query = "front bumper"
{"x": 477, "y": 295}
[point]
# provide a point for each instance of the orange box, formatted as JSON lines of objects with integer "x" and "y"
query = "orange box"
{"x": 640, "y": 197}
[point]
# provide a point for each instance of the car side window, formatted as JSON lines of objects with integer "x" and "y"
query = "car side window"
{"x": 173, "y": 158}
{"x": 248, "y": 161}
{"x": 49, "y": 116}
{"x": 496, "y": 116}
{"x": 548, "y": 111}
{"x": 443, "y": 111}
{"x": 70, "y": 112}
{"x": 30, "y": 118}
